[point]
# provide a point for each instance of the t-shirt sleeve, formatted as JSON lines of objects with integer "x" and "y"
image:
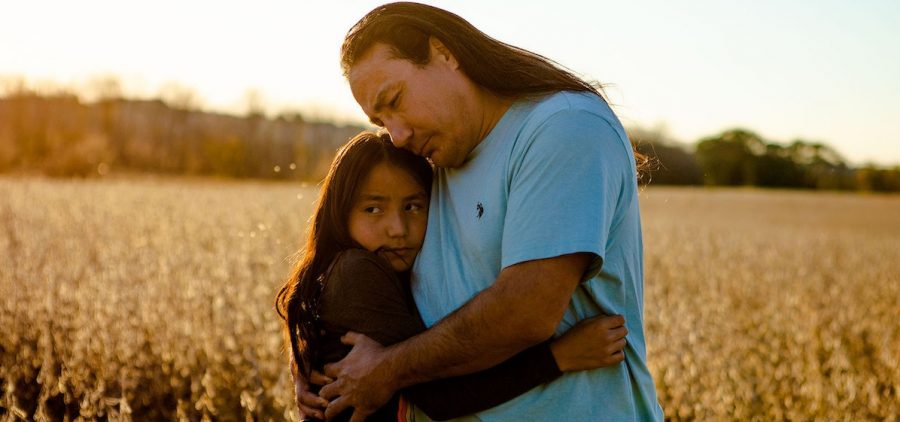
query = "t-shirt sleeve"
{"x": 365, "y": 296}
{"x": 565, "y": 180}
{"x": 459, "y": 396}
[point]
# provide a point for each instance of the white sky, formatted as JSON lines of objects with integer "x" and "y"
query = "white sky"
{"x": 826, "y": 71}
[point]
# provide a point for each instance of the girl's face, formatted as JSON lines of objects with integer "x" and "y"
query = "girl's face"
{"x": 389, "y": 215}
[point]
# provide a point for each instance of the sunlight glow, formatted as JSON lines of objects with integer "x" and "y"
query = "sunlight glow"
{"x": 822, "y": 71}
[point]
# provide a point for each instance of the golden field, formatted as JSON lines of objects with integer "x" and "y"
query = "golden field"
{"x": 152, "y": 299}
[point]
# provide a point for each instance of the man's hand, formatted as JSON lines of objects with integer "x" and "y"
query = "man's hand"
{"x": 592, "y": 343}
{"x": 362, "y": 380}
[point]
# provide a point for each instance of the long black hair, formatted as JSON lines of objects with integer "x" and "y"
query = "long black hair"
{"x": 505, "y": 70}
{"x": 328, "y": 235}
{"x": 502, "y": 69}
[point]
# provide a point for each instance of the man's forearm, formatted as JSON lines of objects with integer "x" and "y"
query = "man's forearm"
{"x": 522, "y": 308}
{"x": 463, "y": 342}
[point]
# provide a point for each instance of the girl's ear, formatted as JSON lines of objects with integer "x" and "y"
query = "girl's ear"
{"x": 439, "y": 52}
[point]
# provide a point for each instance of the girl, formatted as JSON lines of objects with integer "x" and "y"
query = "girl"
{"x": 353, "y": 275}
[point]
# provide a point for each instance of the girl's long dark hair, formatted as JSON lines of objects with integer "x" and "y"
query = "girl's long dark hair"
{"x": 328, "y": 235}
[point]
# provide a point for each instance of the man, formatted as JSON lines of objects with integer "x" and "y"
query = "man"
{"x": 533, "y": 226}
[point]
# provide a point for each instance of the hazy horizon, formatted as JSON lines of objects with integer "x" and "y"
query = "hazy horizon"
{"x": 817, "y": 71}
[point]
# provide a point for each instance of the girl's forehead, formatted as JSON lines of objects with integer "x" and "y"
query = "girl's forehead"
{"x": 388, "y": 178}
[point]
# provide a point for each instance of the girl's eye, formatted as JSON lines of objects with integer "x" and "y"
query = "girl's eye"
{"x": 414, "y": 207}
{"x": 395, "y": 100}
{"x": 372, "y": 210}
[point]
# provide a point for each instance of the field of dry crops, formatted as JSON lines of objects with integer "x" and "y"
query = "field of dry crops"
{"x": 152, "y": 299}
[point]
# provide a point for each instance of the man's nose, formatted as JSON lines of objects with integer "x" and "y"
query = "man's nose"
{"x": 400, "y": 132}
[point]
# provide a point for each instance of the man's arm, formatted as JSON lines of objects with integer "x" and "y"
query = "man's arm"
{"x": 522, "y": 308}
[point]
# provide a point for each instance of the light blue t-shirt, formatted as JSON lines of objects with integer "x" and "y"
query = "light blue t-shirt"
{"x": 555, "y": 176}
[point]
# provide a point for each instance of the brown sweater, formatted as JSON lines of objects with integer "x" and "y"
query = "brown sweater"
{"x": 363, "y": 294}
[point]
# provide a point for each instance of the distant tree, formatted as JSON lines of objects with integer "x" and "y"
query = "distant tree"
{"x": 104, "y": 88}
{"x": 179, "y": 97}
{"x": 822, "y": 166}
{"x": 292, "y": 116}
{"x": 670, "y": 163}
{"x": 777, "y": 168}
{"x": 729, "y": 159}
{"x": 12, "y": 86}
{"x": 224, "y": 156}
{"x": 254, "y": 107}
{"x": 186, "y": 137}
{"x": 874, "y": 179}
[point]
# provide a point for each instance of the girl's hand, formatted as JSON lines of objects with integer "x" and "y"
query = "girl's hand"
{"x": 592, "y": 343}
{"x": 310, "y": 405}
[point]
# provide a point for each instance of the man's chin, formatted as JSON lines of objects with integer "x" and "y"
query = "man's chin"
{"x": 438, "y": 160}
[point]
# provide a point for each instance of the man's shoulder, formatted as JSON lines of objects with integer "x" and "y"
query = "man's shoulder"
{"x": 569, "y": 101}
{"x": 562, "y": 107}
{"x": 568, "y": 128}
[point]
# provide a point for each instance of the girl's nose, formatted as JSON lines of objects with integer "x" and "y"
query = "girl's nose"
{"x": 396, "y": 225}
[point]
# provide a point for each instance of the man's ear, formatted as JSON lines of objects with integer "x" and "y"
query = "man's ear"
{"x": 440, "y": 53}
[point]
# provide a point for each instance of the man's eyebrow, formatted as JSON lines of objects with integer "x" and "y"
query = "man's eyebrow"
{"x": 380, "y": 99}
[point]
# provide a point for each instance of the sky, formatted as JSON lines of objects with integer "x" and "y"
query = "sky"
{"x": 825, "y": 71}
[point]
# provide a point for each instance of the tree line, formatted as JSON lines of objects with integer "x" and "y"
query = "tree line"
{"x": 60, "y": 134}
{"x": 739, "y": 157}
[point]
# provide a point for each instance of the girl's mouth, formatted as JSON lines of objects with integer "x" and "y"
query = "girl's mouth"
{"x": 405, "y": 255}
{"x": 395, "y": 251}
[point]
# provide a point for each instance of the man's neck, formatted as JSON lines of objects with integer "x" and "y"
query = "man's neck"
{"x": 493, "y": 109}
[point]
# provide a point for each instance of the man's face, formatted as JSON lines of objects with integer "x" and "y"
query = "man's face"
{"x": 431, "y": 110}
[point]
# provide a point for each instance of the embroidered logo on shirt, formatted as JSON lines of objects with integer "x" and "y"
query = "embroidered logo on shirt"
{"x": 480, "y": 209}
